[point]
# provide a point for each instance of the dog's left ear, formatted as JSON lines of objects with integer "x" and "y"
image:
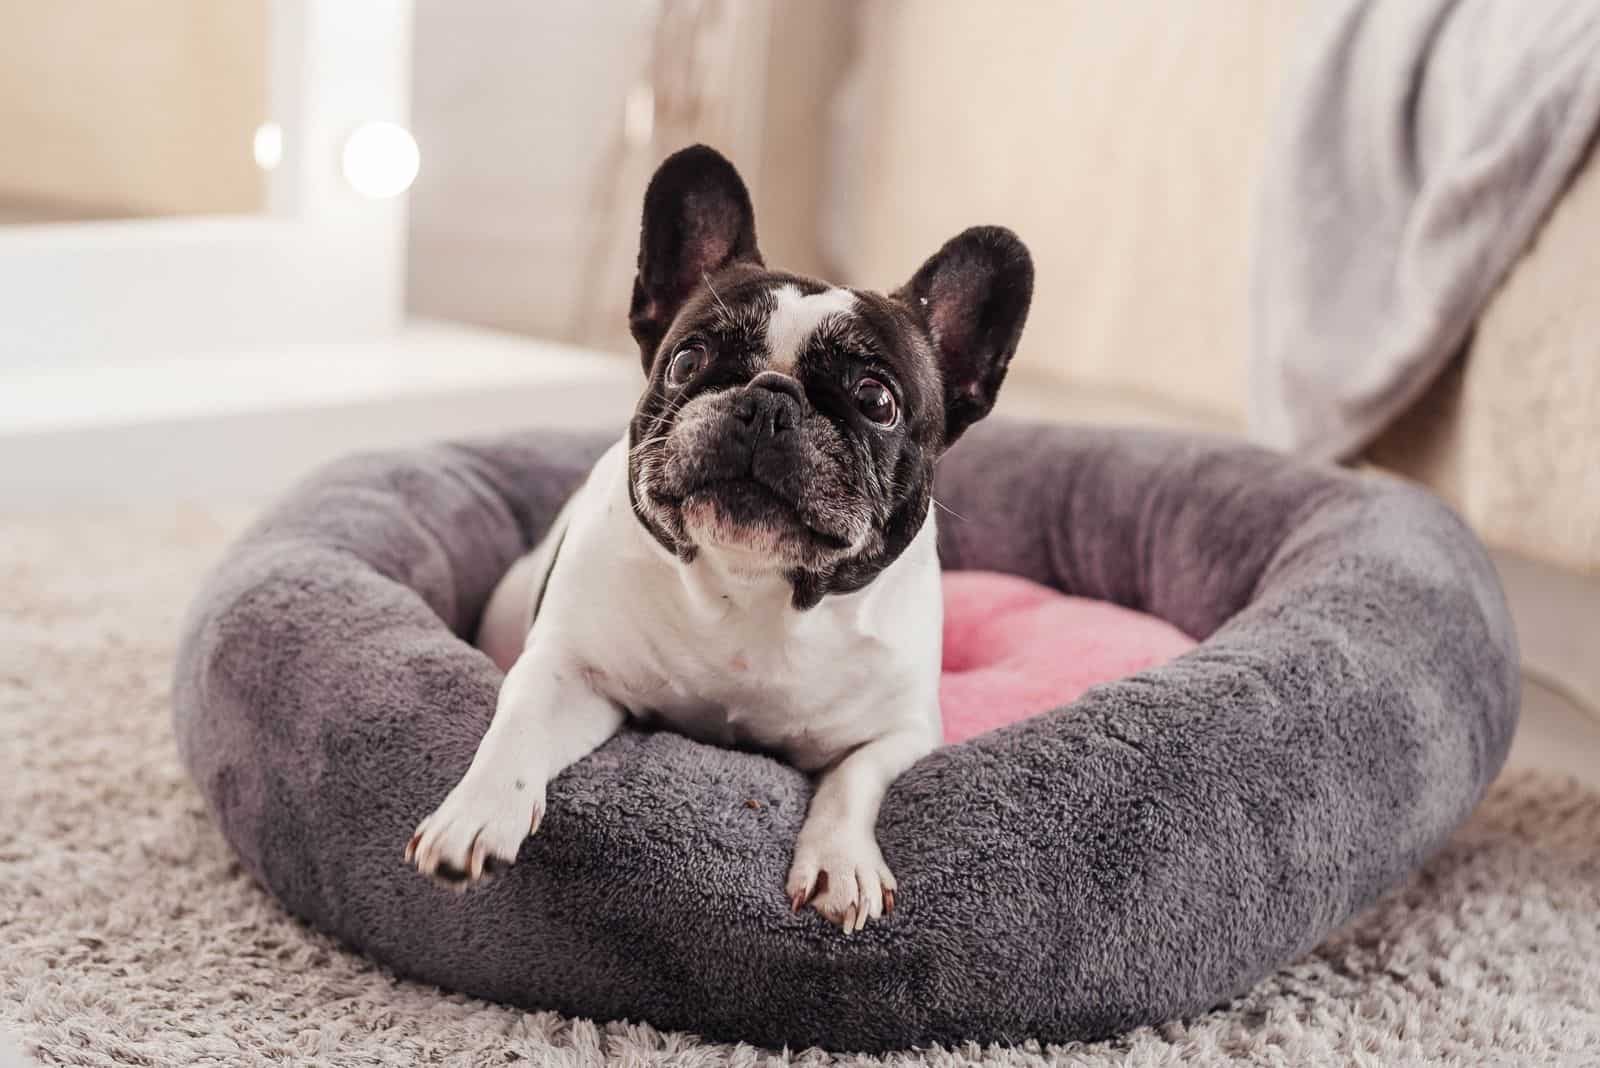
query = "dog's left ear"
{"x": 972, "y": 297}
{"x": 697, "y": 221}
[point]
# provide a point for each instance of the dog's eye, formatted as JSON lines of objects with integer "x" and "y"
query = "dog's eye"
{"x": 686, "y": 363}
{"x": 874, "y": 401}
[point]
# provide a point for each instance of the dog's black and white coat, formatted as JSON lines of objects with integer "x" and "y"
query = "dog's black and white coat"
{"x": 754, "y": 563}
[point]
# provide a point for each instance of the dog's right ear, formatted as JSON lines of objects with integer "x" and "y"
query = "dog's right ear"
{"x": 697, "y": 221}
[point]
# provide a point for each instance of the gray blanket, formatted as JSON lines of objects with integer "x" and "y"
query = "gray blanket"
{"x": 1420, "y": 146}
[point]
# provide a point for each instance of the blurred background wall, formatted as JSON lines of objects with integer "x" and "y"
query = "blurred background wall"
{"x": 870, "y": 133}
{"x": 1026, "y": 115}
{"x": 131, "y": 108}
{"x": 542, "y": 124}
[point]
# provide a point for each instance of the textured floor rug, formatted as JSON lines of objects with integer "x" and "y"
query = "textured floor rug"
{"x": 128, "y": 935}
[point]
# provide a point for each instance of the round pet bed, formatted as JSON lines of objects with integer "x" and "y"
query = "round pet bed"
{"x": 1144, "y": 852}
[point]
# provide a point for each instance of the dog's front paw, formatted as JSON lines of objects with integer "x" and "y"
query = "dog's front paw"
{"x": 844, "y": 878}
{"x": 477, "y": 830}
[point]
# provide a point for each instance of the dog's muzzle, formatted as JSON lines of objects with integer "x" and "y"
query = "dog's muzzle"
{"x": 759, "y": 439}
{"x": 752, "y": 460}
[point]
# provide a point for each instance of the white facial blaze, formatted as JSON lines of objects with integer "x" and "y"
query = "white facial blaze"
{"x": 795, "y": 317}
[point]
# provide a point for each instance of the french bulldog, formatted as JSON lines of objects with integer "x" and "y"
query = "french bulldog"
{"x": 754, "y": 563}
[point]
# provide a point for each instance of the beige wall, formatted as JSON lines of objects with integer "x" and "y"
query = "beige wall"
{"x": 526, "y": 214}
{"x": 812, "y": 42}
{"x": 138, "y": 107}
{"x": 1118, "y": 139}
{"x": 517, "y": 210}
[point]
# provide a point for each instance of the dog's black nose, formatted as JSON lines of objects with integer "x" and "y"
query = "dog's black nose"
{"x": 779, "y": 383}
{"x": 772, "y": 403}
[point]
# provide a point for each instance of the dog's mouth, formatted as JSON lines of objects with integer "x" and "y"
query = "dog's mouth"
{"x": 746, "y": 513}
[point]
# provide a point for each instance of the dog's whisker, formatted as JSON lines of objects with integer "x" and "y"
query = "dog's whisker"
{"x": 947, "y": 509}
{"x": 672, "y": 408}
{"x": 653, "y": 439}
{"x": 726, "y": 311}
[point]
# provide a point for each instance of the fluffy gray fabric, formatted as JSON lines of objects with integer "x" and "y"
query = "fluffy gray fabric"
{"x": 1142, "y": 854}
{"x": 1422, "y": 144}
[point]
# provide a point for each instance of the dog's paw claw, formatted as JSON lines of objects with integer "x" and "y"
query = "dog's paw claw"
{"x": 846, "y": 881}
{"x": 474, "y": 834}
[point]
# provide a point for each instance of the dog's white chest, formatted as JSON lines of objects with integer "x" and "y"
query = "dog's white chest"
{"x": 752, "y": 671}
{"x": 712, "y": 653}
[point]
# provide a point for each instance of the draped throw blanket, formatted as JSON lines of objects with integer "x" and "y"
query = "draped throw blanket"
{"x": 1420, "y": 144}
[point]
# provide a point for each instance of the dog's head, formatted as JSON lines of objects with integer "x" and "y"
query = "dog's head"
{"x": 791, "y": 424}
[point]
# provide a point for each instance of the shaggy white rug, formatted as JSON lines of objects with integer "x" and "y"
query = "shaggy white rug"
{"x": 130, "y": 936}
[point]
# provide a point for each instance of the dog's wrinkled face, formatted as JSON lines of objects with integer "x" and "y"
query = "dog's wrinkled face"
{"x": 792, "y": 425}
{"x": 789, "y": 424}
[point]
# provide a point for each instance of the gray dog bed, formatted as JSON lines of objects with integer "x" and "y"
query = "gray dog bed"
{"x": 1144, "y": 853}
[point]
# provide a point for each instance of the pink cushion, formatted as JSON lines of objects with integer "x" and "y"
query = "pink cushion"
{"x": 1014, "y": 648}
